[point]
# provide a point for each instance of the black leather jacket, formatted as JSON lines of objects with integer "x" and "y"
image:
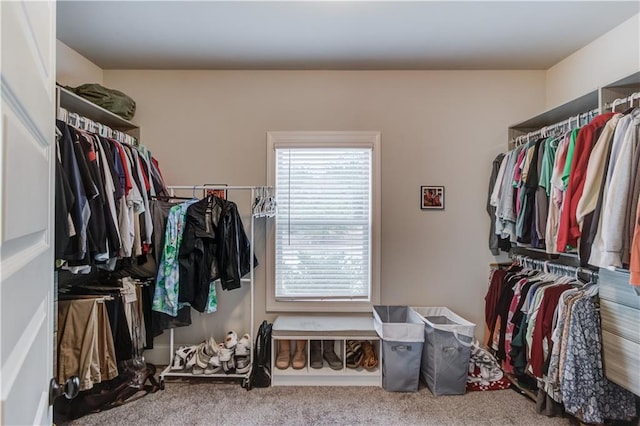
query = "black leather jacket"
{"x": 214, "y": 245}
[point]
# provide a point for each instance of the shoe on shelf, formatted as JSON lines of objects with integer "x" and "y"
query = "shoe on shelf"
{"x": 315, "y": 354}
{"x": 229, "y": 367}
{"x": 330, "y": 356}
{"x": 206, "y": 350}
{"x": 243, "y": 354}
{"x": 180, "y": 357}
{"x": 243, "y": 347}
{"x": 299, "y": 360}
{"x": 225, "y": 353}
{"x": 284, "y": 354}
{"x": 197, "y": 370}
{"x": 369, "y": 359}
{"x": 177, "y": 363}
{"x": 231, "y": 340}
{"x": 243, "y": 364}
{"x": 355, "y": 354}
{"x": 191, "y": 357}
{"x": 214, "y": 366}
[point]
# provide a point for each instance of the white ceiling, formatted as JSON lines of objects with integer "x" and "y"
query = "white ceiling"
{"x": 334, "y": 34}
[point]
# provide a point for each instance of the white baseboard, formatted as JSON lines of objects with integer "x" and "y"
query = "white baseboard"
{"x": 159, "y": 355}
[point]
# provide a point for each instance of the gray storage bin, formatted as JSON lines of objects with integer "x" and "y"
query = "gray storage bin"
{"x": 402, "y": 333}
{"x": 446, "y": 351}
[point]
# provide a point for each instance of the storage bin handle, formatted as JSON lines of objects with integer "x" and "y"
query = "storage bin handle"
{"x": 462, "y": 342}
{"x": 401, "y": 348}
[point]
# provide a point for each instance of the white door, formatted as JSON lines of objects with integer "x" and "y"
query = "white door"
{"x": 27, "y": 140}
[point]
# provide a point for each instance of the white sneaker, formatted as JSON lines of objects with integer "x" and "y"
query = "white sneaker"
{"x": 243, "y": 364}
{"x": 225, "y": 353}
{"x": 231, "y": 340}
{"x": 191, "y": 358}
{"x": 243, "y": 348}
{"x": 203, "y": 356}
{"x": 214, "y": 365}
{"x": 180, "y": 357}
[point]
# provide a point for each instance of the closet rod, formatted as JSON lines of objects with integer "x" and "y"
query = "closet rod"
{"x": 213, "y": 187}
{"x": 83, "y": 123}
{"x": 570, "y": 123}
{"x": 621, "y": 101}
{"x": 547, "y": 266}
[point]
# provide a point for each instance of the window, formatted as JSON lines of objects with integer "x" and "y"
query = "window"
{"x": 324, "y": 255}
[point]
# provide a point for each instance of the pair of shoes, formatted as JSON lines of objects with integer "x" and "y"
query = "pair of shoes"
{"x": 284, "y": 358}
{"x": 354, "y": 354}
{"x": 243, "y": 355}
{"x": 369, "y": 360}
{"x": 315, "y": 354}
{"x": 207, "y": 358}
{"x": 330, "y": 356}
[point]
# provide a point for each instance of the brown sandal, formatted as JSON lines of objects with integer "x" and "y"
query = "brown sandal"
{"x": 370, "y": 360}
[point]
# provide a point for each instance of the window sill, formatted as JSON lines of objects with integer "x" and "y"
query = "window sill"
{"x": 326, "y": 306}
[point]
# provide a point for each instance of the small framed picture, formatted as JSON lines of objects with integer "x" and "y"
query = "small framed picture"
{"x": 432, "y": 197}
{"x": 220, "y": 193}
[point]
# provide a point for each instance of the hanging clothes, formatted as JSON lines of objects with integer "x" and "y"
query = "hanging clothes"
{"x": 496, "y": 242}
{"x": 611, "y": 245}
{"x": 85, "y": 344}
{"x": 556, "y": 345}
{"x": 165, "y": 299}
{"x": 586, "y": 392}
{"x": 214, "y": 246}
{"x": 551, "y": 193}
{"x": 102, "y": 209}
{"x": 160, "y": 210}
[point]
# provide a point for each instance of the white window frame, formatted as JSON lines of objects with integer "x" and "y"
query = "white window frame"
{"x": 326, "y": 139}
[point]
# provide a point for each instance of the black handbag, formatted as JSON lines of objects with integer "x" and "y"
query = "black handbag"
{"x": 260, "y": 376}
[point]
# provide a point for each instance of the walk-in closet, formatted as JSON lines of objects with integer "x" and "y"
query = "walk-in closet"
{"x": 311, "y": 212}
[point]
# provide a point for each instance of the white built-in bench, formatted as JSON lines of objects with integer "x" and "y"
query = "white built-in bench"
{"x": 336, "y": 328}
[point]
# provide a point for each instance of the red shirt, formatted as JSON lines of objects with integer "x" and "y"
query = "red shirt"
{"x": 568, "y": 228}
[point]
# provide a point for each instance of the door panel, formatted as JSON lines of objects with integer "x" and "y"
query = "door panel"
{"x": 28, "y": 70}
{"x": 27, "y": 137}
{"x": 22, "y": 151}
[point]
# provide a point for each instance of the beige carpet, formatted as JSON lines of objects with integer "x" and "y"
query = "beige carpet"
{"x": 207, "y": 403}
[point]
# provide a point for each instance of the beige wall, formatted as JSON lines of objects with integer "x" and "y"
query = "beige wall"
{"x": 73, "y": 69}
{"x": 438, "y": 128}
{"x": 613, "y": 56}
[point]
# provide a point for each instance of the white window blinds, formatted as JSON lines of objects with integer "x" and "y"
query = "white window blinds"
{"x": 323, "y": 224}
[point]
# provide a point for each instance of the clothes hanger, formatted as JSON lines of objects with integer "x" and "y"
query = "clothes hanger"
{"x": 615, "y": 103}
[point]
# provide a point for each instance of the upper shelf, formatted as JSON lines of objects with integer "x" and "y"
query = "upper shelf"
{"x": 590, "y": 101}
{"x": 74, "y": 103}
{"x": 631, "y": 81}
{"x": 582, "y": 104}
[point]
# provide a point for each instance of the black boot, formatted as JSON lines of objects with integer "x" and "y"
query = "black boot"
{"x": 330, "y": 356}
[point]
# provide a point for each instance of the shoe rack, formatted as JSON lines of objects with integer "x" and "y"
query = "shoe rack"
{"x": 262, "y": 206}
{"x": 337, "y": 329}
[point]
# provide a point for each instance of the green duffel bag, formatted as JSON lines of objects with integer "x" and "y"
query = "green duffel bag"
{"x": 109, "y": 99}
